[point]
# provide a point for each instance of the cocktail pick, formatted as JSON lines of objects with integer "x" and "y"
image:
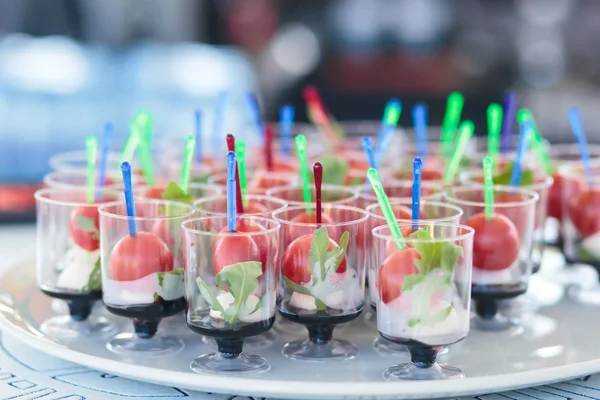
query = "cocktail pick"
{"x": 238, "y": 199}
{"x": 319, "y": 113}
{"x": 301, "y": 150}
{"x": 135, "y": 136}
{"x": 494, "y": 120}
{"x": 254, "y": 107}
{"x": 91, "y": 153}
{"x": 318, "y": 171}
{"x": 517, "y": 171}
{"x": 577, "y": 127}
{"x": 386, "y": 208}
{"x": 198, "y": 134}
{"x": 419, "y": 114}
{"x": 488, "y": 186}
{"x": 240, "y": 153}
{"x": 219, "y": 121}
{"x": 186, "y": 166}
{"x": 416, "y": 191}
{"x": 269, "y": 147}
{"x": 145, "y": 153}
{"x": 103, "y": 161}
{"x": 286, "y": 126}
{"x": 388, "y": 127}
{"x": 367, "y": 146}
{"x": 231, "y": 192}
{"x": 454, "y": 106}
{"x": 129, "y": 204}
{"x": 510, "y": 110}
{"x": 537, "y": 145}
{"x": 465, "y": 132}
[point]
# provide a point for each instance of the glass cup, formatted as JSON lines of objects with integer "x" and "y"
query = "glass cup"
{"x": 424, "y": 305}
{"x": 325, "y": 288}
{"x": 293, "y": 195}
{"x": 78, "y": 179}
{"x": 68, "y": 258}
{"x": 142, "y": 274}
{"x": 230, "y": 294}
{"x": 196, "y": 190}
{"x": 399, "y": 190}
{"x": 562, "y": 154}
{"x": 76, "y": 161}
{"x": 502, "y": 247}
{"x": 541, "y": 185}
{"x": 260, "y": 182}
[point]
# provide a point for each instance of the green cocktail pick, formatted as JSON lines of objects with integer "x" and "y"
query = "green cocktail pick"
{"x": 536, "y": 142}
{"x": 240, "y": 153}
{"x": 91, "y": 153}
{"x": 454, "y": 106}
{"x": 186, "y": 166}
{"x": 494, "y": 120}
{"x": 386, "y": 208}
{"x": 144, "y": 123}
{"x": 301, "y": 151}
{"x": 465, "y": 132}
{"x": 488, "y": 187}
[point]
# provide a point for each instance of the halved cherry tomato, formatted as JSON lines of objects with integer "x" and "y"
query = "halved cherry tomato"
{"x": 135, "y": 257}
{"x": 295, "y": 264}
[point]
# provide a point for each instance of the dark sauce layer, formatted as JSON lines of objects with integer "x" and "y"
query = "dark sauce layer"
{"x": 237, "y": 330}
{"x": 157, "y": 310}
{"x": 421, "y": 354}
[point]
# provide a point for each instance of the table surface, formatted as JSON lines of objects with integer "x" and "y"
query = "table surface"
{"x": 26, "y": 374}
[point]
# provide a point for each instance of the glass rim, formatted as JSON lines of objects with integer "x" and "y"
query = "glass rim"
{"x": 196, "y": 185}
{"x": 40, "y": 194}
{"x": 555, "y": 150}
{"x": 546, "y": 182}
{"x": 103, "y": 212}
{"x": 459, "y": 211}
{"x": 470, "y": 232}
{"x": 324, "y": 187}
{"x": 185, "y": 226}
{"x": 533, "y": 196}
{"x": 577, "y": 171}
{"x": 282, "y": 204}
{"x": 74, "y": 155}
{"x": 394, "y": 183}
{"x": 276, "y": 174}
{"x": 313, "y": 206}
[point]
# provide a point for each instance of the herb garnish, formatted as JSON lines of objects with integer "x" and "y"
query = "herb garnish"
{"x": 88, "y": 225}
{"x": 503, "y": 178}
{"x": 337, "y": 169}
{"x": 95, "y": 278}
{"x": 174, "y": 192}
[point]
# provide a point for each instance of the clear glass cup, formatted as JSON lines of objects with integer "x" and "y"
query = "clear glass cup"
{"x": 142, "y": 275}
{"x": 502, "y": 248}
{"x": 200, "y": 173}
{"x": 321, "y": 294}
{"x": 230, "y": 294}
{"x": 68, "y": 259}
{"x": 424, "y": 305}
{"x": 256, "y": 206}
{"x": 504, "y": 157}
{"x": 563, "y": 154}
{"x": 196, "y": 190}
{"x": 399, "y": 190}
{"x": 78, "y": 179}
{"x": 541, "y": 185}
{"x": 76, "y": 161}
{"x": 293, "y": 195}
{"x": 261, "y": 182}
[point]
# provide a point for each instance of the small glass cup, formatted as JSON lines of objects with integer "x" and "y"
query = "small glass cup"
{"x": 78, "y": 179}
{"x": 142, "y": 275}
{"x": 293, "y": 195}
{"x": 256, "y": 206}
{"x": 502, "y": 247}
{"x": 261, "y": 182}
{"x": 230, "y": 294}
{"x": 68, "y": 261}
{"x": 76, "y": 161}
{"x": 400, "y": 190}
{"x": 322, "y": 278}
{"x": 425, "y": 305}
{"x": 196, "y": 190}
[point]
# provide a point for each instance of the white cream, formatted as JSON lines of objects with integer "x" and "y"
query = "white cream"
{"x": 485, "y": 277}
{"x": 79, "y": 264}
{"x": 591, "y": 244}
{"x": 338, "y": 291}
{"x": 303, "y": 301}
{"x": 142, "y": 291}
{"x": 266, "y": 311}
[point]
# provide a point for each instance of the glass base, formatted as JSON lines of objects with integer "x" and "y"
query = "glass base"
{"x": 334, "y": 350}
{"x": 586, "y": 296}
{"x": 65, "y": 327}
{"x": 157, "y": 345}
{"x": 261, "y": 341}
{"x": 243, "y": 364}
{"x": 387, "y": 348}
{"x": 288, "y": 327}
{"x": 410, "y": 372}
{"x": 498, "y": 323}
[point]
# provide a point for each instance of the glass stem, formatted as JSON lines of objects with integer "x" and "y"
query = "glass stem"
{"x": 423, "y": 356}
{"x": 80, "y": 310}
{"x": 320, "y": 334}
{"x": 145, "y": 328}
{"x": 230, "y": 348}
{"x": 486, "y": 308}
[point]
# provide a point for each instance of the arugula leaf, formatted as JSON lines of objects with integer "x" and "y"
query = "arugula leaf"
{"x": 175, "y": 193}
{"x": 335, "y": 256}
{"x": 449, "y": 257}
{"x": 95, "y": 279}
{"x": 86, "y": 224}
{"x": 209, "y": 296}
{"x": 503, "y": 178}
{"x": 430, "y": 252}
{"x": 161, "y": 275}
{"x": 241, "y": 279}
{"x": 411, "y": 280}
{"x": 323, "y": 262}
{"x": 335, "y": 170}
{"x": 202, "y": 178}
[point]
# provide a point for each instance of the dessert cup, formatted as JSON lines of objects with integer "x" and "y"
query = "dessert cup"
{"x": 76, "y": 161}
{"x": 399, "y": 190}
{"x": 142, "y": 274}
{"x": 424, "y": 285}
{"x": 68, "y": 261}
{"x": 293, "y": 195}
{"x": 78, "y": 180}
{"x": 230, "y": 286}
{"x": 502, "y": 249}
{"x": 321, "y": 281}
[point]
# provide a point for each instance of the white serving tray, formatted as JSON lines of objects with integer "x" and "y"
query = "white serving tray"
{"x": 558, "y": 343}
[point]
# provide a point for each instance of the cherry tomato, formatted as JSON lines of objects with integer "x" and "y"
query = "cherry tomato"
{"x": 282, "y": 166}
{"x": 86, "y": 239}
{"x": 254, "y": 207}
{"x": 162, "y": 229}
{"x": 584, "y": 211}
{"x": 154, "y": 193}
{"x": 292, "y": 233}
{"x": 427, "y": 174}
{"x": 496, "y": 242}
{"x": 135, "y": 257}
{"x": 230, "y": 250}
{"x": 393, "y": 270}
{"x": 295, "y": 264}
{"x": 262, "y": 183}
{"x": 262, "y": 241}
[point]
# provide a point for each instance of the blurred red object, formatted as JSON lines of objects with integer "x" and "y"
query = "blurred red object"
{"x": 17, "y": 198}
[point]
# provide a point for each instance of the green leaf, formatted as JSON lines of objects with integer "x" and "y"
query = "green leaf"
{"x": 202, "y": 178}
{"x": 585, "y": 255}
{"x": 175, "y": 193}
{"x": 335, "y": 170}
{"x": 435, "y": 255}
{"x": 86, "y": 224}
{"x": 411, "y": 280}
{"x": 95, "y": 279}
{"x": 259, "y": 304}
{"x": 503, "y": 178}
{"x": 161, "y": 275}
{"x": 335, "y": 256}
{"x": 450, "y": 254}
{"x": 320, "y": 305}
{"x": 209, "y": 296}
{"x": 436, "y": 318}
{"x": 241, "y": 279}
{"x": 412, "y": 322}
{"x": 318, "y": 254}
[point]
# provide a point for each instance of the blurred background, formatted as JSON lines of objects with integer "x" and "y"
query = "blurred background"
{"x": 69, "y": 66}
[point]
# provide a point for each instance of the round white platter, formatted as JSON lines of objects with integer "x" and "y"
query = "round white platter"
{"x": 560, "y": 342}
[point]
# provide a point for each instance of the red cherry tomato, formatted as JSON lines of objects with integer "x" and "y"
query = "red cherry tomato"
{"x": 584, "y": 211}
{"x": 282, "y": 166}
{"x": 295, "y": 260}
{"x": 230, "y": 250}
{"x": 135, "y": 257}
{"x": 162, "y": 229}
{"x": 254, "y": 207}
{"x": 262, "y": 241}
{"x": 393, "y": 270}
{"x": 496, "y": 242}
{"x": 427, "y": 174}
{"x": 262, "y": 183}
{"x": 305, "y": 218}
{"x": 154, "y": 193}
{"x": 86, "y": 239}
